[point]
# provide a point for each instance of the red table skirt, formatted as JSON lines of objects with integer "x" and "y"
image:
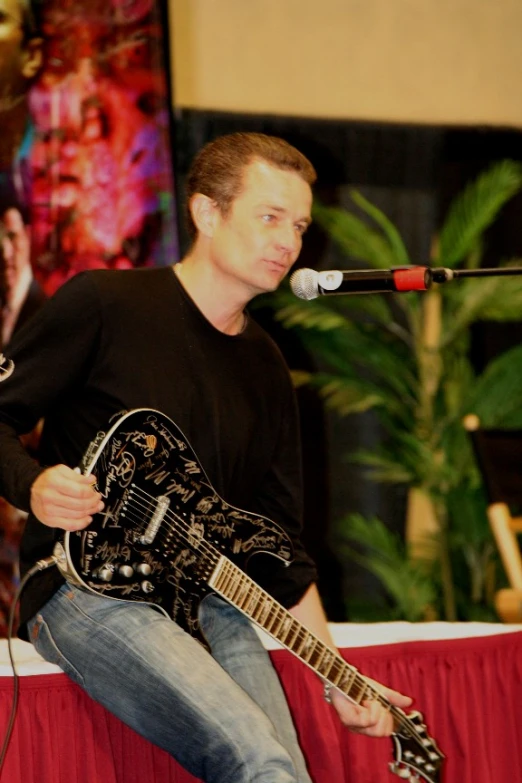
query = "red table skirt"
{"x": 469, "y": 690}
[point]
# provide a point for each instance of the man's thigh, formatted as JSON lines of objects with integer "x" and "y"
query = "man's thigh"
{"x": 156, "y": 678}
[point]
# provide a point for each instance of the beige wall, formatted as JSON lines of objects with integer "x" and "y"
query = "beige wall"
{"x": 427, "y": 61}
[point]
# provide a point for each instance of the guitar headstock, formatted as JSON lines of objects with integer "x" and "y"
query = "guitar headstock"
{"x": 417, "y": 756}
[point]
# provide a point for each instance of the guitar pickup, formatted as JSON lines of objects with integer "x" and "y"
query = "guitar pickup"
{"x": 151, "y": 531}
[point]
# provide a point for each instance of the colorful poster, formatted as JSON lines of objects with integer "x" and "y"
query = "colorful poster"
{"x": 85, "y": 161}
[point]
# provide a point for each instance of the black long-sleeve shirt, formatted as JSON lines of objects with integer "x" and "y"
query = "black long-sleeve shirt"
{"x": 114, "y": 341}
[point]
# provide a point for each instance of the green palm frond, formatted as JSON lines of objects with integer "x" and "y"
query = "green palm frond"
{"x": 353, "y": 394}
{"x": 354, "y": 354}
{"x": 405, "y": 458}
{"x": 311, "y": 315}
{"x": 346, "y": 397}
{"x": 496, "y": 396}
{"x": 384, "y": 468}
{"x": 395, "y": 242}
{"x": 409, "y": 583}
{"x": 327, "y": 314}
{"x": 355, "y": 238}
{"x": 475, "y": 210}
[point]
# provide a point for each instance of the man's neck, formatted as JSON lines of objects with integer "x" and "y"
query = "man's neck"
{"x": 221, "y": 304}
{"x": 15, "y": 301}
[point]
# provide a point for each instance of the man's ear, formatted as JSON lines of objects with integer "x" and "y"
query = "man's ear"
{"x": 32, "y": 57}
{"x": 204, "y": 212}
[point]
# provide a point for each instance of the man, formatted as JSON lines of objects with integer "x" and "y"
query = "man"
{"x": 181, "y": 341}
{"x": 22, "y": 295}
{"x": 20, "y": 61}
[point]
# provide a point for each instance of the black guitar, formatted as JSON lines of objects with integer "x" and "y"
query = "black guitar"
{"x": 167, "y": 538}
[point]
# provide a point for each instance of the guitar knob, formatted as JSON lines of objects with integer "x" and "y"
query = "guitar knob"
{"x": 147, "y": 587}
{"x": 144, "y": 569}
{"x": 126, "y": 570}
{"x": 105, "y": 574}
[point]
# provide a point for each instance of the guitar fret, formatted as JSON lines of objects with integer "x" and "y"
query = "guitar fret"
{"x": 358, "y": 689}
{"x": 326, "y": 661}
{"x": 303, "y": 639}
{"x": 316, "y": 655}
{"x": 269, "y": 625}
{"x": 337, "y": 672}
{"x": 265, "y": 610}
{"x": 281, "y": 617}
{"x": 236, "y": 589}
{"x": 224, "y": 579}
{"x": 294, "y": 627}
{"x": 308, "y": 647}
{"x": 286, "y": 625}
{"x": 251, "y": 604}
{"x": 245, "y": 594}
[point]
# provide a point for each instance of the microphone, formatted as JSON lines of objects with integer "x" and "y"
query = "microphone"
{"x": 308, "y": 284}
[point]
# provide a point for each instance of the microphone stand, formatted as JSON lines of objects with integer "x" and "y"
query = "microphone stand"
{"x": 443, "y": 274}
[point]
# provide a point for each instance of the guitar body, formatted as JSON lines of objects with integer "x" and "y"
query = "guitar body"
{"x": 157, "y": 538}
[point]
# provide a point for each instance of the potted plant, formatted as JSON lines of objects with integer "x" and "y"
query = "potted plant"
{"x": 406, "y": 356}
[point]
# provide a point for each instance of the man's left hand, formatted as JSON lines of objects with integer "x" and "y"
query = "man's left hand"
{"x": 371, "y": 717}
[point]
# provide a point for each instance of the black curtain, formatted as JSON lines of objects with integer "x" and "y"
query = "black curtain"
{"x": 412, "y": 173}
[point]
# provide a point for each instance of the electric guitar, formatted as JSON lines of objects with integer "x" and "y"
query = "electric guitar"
{"x": 167, "y": 538}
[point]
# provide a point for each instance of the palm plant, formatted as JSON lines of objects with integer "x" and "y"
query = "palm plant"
{"x": 406, "y": 357}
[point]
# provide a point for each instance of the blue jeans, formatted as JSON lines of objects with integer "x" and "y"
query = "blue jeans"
{"x": 223, "y": 717}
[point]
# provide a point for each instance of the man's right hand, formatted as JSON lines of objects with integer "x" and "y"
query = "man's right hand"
{"x": 62, "y": 497}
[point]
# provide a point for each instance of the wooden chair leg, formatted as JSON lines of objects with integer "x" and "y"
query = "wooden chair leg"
{"x": 508, "y": 603}
{"x": 506, "y": 540}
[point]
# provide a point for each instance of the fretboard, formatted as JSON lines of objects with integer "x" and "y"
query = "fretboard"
{"x": 238, "y": 589}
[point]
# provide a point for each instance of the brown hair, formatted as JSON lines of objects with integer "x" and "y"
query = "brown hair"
{"x": 32, "y": 11}
{"x": 217, "y": 169}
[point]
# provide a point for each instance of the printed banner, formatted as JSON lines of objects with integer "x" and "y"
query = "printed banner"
{"x": 85, "y": 161}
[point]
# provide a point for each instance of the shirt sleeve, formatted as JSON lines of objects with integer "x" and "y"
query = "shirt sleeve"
{"x": 280, "y": 499}
{"x": 42, "y": 363}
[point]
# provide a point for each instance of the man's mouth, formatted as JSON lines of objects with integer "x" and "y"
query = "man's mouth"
{"x": 279, "y": 266}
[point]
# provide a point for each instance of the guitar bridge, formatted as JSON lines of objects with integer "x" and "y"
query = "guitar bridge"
{"x": 151, "y": 531}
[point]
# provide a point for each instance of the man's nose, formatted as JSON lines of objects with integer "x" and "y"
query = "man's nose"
{"x": 289, "y": 239}
{"x": 7, "y": 249}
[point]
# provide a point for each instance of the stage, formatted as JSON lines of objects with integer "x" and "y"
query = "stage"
{"x": 466, "y": 679}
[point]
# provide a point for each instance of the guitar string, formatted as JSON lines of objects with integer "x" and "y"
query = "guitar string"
{"x": 187, "y": 535}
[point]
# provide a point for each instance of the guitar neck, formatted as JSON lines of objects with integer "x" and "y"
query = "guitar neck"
{"x": 237, "y": 588}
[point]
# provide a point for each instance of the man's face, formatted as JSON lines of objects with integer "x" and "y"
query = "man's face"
{"x": 260, "y": 238}
{"x": 19, "y": 59}
{"x": 15, "y": 246}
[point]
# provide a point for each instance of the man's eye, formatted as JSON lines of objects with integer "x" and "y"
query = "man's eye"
{"x": 268, "y": 218}
{"x": 5, "y": 17}
{"x": 301, "y": 228}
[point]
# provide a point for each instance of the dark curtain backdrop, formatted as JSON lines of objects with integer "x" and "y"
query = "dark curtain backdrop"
{"x": 411, "y": 173}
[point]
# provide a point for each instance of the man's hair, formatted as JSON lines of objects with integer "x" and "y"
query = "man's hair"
{"x": 32, "y": 11}
{"x": 217, "y": 169}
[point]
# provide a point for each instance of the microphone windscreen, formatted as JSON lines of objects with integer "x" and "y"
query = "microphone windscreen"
{"x": 303, "y": 283}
